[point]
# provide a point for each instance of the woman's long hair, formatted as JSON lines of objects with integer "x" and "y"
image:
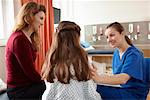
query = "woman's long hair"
{"x": 24, "y": 19}
{"x": 65, "y": 54}
{"x": 120, "y": 29}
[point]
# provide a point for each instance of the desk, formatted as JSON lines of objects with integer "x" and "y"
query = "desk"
{"x": 103, "y": 57}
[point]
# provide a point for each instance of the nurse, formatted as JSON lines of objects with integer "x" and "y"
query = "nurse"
{"x": 127, "y": 66}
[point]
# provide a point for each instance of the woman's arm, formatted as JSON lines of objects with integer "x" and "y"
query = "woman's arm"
{"x": 110, "y": 79}
{"x": 45, "y": 66}
{"x": 24, "y": 56}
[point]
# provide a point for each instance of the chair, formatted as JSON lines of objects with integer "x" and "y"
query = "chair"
{"x": 3, "y": 95}
{"x": 147, "y": 64}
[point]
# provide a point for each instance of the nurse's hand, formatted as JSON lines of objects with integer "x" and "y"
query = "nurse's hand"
{"x": 94, "y": 74}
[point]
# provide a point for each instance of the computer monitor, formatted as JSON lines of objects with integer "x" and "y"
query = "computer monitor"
{"x": 57, "y": 13}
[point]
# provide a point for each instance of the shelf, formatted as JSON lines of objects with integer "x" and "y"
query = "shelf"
{"x": 100, "y": 52}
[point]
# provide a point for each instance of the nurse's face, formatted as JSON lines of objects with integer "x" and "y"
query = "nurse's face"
{"x": 114, "y": 38}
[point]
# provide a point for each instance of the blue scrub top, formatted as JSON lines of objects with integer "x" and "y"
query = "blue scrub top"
{"x": 132, "y": 63}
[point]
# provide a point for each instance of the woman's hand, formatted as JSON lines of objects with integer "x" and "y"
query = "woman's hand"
{"x": 94, "y": 74}
{"x": 45, "y": 70}
{"x": 45, "y": 73}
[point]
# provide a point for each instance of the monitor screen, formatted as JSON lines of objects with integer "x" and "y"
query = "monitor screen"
{"x": 57, "y": 13}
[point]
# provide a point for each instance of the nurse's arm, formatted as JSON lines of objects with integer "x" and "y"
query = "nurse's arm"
{"x": 110, "y": 79}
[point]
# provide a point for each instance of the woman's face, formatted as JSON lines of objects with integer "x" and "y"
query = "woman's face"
{"x": 114, "y": 38}
{"x": 38, "y": 20}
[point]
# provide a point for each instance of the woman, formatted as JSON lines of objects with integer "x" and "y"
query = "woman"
{"x": 66, "y": 66}
{"x": 23, "y": 81}
{"x": 127, "y": 68}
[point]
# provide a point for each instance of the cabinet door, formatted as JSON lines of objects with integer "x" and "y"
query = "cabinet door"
{"x": 104, "y": 59}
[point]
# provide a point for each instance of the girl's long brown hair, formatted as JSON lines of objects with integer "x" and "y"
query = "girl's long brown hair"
{"x": 66, "y": 52}
{"x": 24, "y": 19}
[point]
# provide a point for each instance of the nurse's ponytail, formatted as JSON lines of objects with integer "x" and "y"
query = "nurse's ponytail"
{"x": 128, "y": 40}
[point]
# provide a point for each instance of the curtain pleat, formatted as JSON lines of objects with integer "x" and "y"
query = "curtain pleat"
{"x": 45, "y": 31}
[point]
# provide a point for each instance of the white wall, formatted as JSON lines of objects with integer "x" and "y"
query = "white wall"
{"x": 96, "y": 12}
{"x": 56, "y": 3}
{"x": 149, "y": 9}
{"x": 17, "y": 4}
{"x": 67, "y": 9}
{"x": 85, "y": 12}
{"x": 2, "y": 63}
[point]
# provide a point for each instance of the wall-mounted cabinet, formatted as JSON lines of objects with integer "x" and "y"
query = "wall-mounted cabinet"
{"x": 138, "y": 32}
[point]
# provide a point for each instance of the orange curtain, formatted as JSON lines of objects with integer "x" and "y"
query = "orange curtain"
{"x": 45, "y": 32}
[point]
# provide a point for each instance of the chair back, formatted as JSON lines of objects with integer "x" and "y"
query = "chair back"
{"x": 147, "y": 66}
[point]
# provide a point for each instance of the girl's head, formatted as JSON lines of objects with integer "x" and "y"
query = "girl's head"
{"x": 66, "y": 55}
{"x": 30, "y": 16}
{"x": 116, "y": 35}
{"x": 68, "y": 34}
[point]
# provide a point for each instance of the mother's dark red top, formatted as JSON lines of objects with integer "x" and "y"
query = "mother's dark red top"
{"x": 20, "y": 61}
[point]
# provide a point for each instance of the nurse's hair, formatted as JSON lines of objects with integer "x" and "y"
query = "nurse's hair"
{"x": 120, "y": 29}
{"x": 67, "y": 59}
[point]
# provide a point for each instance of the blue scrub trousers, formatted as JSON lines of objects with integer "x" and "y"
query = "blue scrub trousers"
{"x": 117, "y": 93}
